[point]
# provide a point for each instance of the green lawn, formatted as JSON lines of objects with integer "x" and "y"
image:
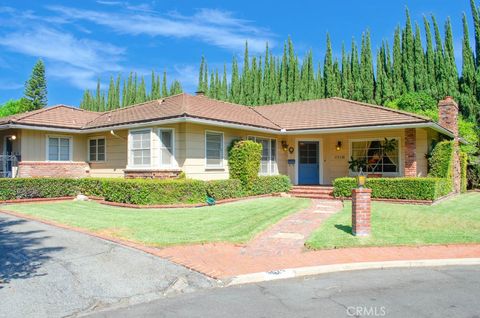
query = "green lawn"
{"x": 235, "y": 222}
{"x": 456, "y": 220}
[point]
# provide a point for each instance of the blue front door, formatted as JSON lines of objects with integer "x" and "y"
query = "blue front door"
{"x": 308, "y": 158}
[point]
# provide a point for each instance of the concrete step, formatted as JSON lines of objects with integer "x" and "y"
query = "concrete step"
{"x": 314, "y": 196}
{"x": 311, "y": 191}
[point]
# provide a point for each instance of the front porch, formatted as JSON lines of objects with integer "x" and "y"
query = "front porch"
{"x": 314, "y": 160}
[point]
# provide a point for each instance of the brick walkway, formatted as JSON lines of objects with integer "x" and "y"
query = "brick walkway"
{"x": 282, "y": 246}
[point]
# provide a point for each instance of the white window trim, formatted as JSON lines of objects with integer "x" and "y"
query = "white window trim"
{"x": 221, "y": 165}
{"x": 386, "y": 174}
{"x": 269, "y": 173}
{"x": 174, "y": 163}
{"x": 88, "y": 149}
{"x": 70, "y": 147}
{"x": 129, "y": 149}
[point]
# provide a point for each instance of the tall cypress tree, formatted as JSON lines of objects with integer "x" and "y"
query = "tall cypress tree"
{"x": 440, "y": 71}
{"x": 346, "y": 75}
{"x": 111, "y": 94}
{"x": 141, "y": 92}
{"x": 328, "y": 71}
{"x": 476, "y": 26}
{"x": 164, "y": 84}
{"x": 408, "y": 58}
{"x": 419, "y": 69}
{"x": 468, "y": 102}
{"x": 36, "y": 87}
{"x": 431, "y": 82}
{"x": 283, "y": 78}
{"x": 235, "y": 83}
{"x": 356, "y": 76}
{"x": 450, "y": 65}
{"x": 366, "y": 70}
{"x": 398, "y": 83}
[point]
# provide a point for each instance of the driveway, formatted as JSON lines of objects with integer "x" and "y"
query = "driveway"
{"x": 416, "y": 292}
{"x": 50, "y": 272}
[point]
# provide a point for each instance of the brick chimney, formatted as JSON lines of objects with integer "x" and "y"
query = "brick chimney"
{"x": 448, "y": 115}
{"x": 448, "y": 118}
{"x": 200, "y": 93}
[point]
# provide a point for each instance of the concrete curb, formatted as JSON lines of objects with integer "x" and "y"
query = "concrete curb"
{"x": 323, "y": 269}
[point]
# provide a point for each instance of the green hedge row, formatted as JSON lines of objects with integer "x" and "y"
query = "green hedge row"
{"x": 139, "y": 191}
{"x": 397, "y": 188}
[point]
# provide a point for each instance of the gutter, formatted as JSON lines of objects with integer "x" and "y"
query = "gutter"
{"x": 202, "y": 121}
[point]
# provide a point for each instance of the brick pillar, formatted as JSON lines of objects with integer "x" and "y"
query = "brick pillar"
{"x": 361, "y": 204}
{"x": 448, "y": 119}
{"x": 410, "y": 146}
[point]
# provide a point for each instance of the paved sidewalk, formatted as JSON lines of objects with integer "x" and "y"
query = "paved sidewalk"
{"x": 282, "y": 246}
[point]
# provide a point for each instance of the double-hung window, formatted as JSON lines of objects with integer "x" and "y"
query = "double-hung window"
{"x": 268, "y": 165}
{"x": 59, "y": 148}
{"x": 378, "y": 155}
{"x": 140, "y": 147}
{"x": 96, "y": 149}
{"x": 214, "y": 149}
{"x": 167, "y": 156}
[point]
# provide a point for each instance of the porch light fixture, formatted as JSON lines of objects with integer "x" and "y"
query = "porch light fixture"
{"x": 13, "y": 137}
{"x": 339, "y": 145}
{"x": 361, "y": 179}
{"x": 284, "y": 145}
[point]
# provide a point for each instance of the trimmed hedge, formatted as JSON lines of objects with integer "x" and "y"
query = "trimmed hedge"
{"x": 270, "y": 184}
{"x": 244, "y": 158}
{"x": 139, "y": 191}
{"x": 397, "y": 188}
{"x": 441, "y": 160}
{"x": 225, "y": 189}
{"x": 27, "y": 188}
{"x": 145, "y": 192}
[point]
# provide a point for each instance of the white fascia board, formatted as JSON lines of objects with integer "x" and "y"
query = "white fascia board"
{"x": 370, "y": 128}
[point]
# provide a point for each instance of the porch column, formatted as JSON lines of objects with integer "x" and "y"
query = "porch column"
{"x": 410, "y": 146}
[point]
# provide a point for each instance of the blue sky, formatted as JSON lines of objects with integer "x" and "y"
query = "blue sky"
{"x": 83, "y": 40}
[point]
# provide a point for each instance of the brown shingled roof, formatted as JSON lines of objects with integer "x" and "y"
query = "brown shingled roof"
{"x": 60, "y": 116}
{"x": 334, "y": 113}
{"x": 313, "y": 114}
{"x": 183, "y": 105}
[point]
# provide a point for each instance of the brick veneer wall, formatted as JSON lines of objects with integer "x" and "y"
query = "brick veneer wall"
{"x": 152, "y": 174}
{"x": 53, "y": 169}
{"x": 410, "y": 169}
{"x": 361, "y": 208}
{"x": 448, "y": 118}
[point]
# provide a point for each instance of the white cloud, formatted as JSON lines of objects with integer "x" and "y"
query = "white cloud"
{"x": 9, "y": 85}
{"x": 215, "y": 27}
{"x": 73, "y": 59}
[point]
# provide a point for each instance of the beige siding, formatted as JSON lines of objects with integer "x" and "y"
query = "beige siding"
{"x": 194, "y": 165}
{"x": 116, "y": 154}
{"x": 422, "y": 151}
{"x": 34, "y": 145}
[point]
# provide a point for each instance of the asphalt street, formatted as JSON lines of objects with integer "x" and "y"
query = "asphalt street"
{"x": 420, "y": 292}
{"x": 51, "y": 272}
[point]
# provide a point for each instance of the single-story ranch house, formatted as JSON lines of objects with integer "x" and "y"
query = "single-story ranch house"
{"x": 310, "y": 141}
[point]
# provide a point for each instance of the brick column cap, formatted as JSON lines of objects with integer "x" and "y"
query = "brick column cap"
{"x": 362, "y": 190}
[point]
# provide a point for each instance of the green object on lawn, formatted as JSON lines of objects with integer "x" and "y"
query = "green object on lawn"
{"x": 210, "y": 201}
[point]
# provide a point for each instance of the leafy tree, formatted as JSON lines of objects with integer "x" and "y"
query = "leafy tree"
{"x": 36, "y": 87}
{"x": 467, "y": 100}
{"x": 13, "y": 107}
